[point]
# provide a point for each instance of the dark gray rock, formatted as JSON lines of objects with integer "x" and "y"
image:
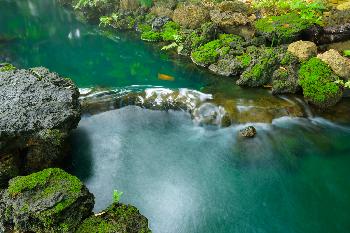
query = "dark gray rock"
{"x": 159, "y": 22}
{"x": 248, "y": 132}
{"x": 38, "y": 109}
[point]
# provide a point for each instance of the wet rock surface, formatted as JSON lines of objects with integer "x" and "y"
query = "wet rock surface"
{"x": 38, "y": 109}
{"x": 46, "y": 201}
{"x": 248, "y": 132}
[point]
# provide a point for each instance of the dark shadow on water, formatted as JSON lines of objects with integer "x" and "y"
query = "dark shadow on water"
{"x": 80, "y": 158}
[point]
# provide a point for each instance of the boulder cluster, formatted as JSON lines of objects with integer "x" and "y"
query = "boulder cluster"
{"x": 263, "y": 47}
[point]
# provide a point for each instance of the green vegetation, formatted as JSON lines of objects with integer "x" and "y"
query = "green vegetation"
{"x": 346, "y": 53}
{"x": 45, "y": 184}
{"x": 117, "y": 218}
{"x": 151, "y": 36}
{"x": 6, "y": 67}
{"x": 116, "y": 196}
{"x": 260, "y": 71}
{"x": 317, "y": 80}
{"x": 282, "y": 29}
{"x": 209, "y": 52}
{"x": 311, "y": 11}
{"x": 170, "y": 31}
{"x": 244, "y": 59}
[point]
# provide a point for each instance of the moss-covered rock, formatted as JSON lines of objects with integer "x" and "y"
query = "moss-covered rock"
{"x": 285, "y": 80}
{"x": 210, "y": 52}
{"x": 47, "y": 201}
{"x": 282, "y": 29}
{"x": 116, "y": 218}
{"x": 263, "y": 62}
{"x": 318, "y": 83}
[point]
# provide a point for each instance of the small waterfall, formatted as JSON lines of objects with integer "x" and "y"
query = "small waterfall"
{"x": 305, "y": 107}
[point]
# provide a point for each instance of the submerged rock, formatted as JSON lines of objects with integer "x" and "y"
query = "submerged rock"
{"x": 116, "y": 218}
{"x": 339, "y": 64}
{"x": 303, "y": 50}
{"x": 248, "y": 132}
{"x": 38, "y": 109}
{"x": 46, "y": 201}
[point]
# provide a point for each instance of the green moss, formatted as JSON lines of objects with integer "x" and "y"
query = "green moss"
{"x": 244, "y": 59}
{"x": 282, "y": 29}
{"x": 170, "y": 31}
{"x": 117, "y": 218}
{"x": 317, "y": 80}
{"x": 6, "y": 67}
{"x": 54, "y": 136}
{"x": 209, "y": 53}
{"x": 260, "y": 70}
{"x": 151, "y": 36}
{"x": 50, "y": 181}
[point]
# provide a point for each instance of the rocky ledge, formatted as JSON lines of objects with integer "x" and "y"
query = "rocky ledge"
{"x": 38, "y": 110}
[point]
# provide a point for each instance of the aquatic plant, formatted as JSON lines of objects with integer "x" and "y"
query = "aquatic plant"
{"x": 151, "y": 36}
{"x": 170, "y": 31}
{"x": 318, "y": 83}
{"x": 116, "y": 196}
{"x": 6, "y": 67}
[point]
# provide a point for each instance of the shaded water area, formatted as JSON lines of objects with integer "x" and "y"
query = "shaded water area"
{"x": 185, "y": 178}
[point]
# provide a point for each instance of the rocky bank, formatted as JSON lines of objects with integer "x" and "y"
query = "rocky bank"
{"x": 38, "y": 110}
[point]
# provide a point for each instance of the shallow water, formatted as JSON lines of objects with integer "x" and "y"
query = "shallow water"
{"x": 293, "y": 177}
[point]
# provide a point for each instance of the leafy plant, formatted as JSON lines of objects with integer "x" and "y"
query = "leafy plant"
{"x": 116, "y": 196}
{"x": 346, "y": 53}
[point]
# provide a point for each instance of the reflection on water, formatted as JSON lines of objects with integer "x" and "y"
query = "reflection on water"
{"x": 291, "y": 178}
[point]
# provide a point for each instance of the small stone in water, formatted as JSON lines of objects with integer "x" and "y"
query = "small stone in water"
{"x": 248, "y": 132}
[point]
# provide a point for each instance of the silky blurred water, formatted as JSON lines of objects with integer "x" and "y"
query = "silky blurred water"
{"x": 293, "y": 177}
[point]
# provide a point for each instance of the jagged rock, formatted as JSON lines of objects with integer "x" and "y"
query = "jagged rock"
{"x": 227, "y": 66}
{"x": 159, "y": 22}
{"x": 248, "y": 132}
{"x": 129, "y": 5}
{"x": 263, "y": 62}
{"x": 191, "y": 16}
{"x": 47, "y": 201}
{"x": 116, "y": 218}
{"x": 303, "y": 50}
{"x": 285, "y": 80}
{"x": 38, "y": 109}
{"x": 339, "y": 64}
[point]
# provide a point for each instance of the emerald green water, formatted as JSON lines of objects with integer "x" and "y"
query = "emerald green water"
{"x": 293, "y": 177}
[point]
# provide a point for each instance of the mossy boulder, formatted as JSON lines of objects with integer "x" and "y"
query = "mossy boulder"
{"x": 38, "y": 110}
{"x": 285, "y": 80}
{"x": 282, "y": 29}
{"x": 263, "y": 62}
{"x": 318, "y": 83}
{"x": 211, "y": 51}
{"x": 191, "y": 16}
{"x": 303, "y": 50}
{"x": 116, "y": 218}
{"x": 47, "y": 201}
{"x": 339, "y": 64}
